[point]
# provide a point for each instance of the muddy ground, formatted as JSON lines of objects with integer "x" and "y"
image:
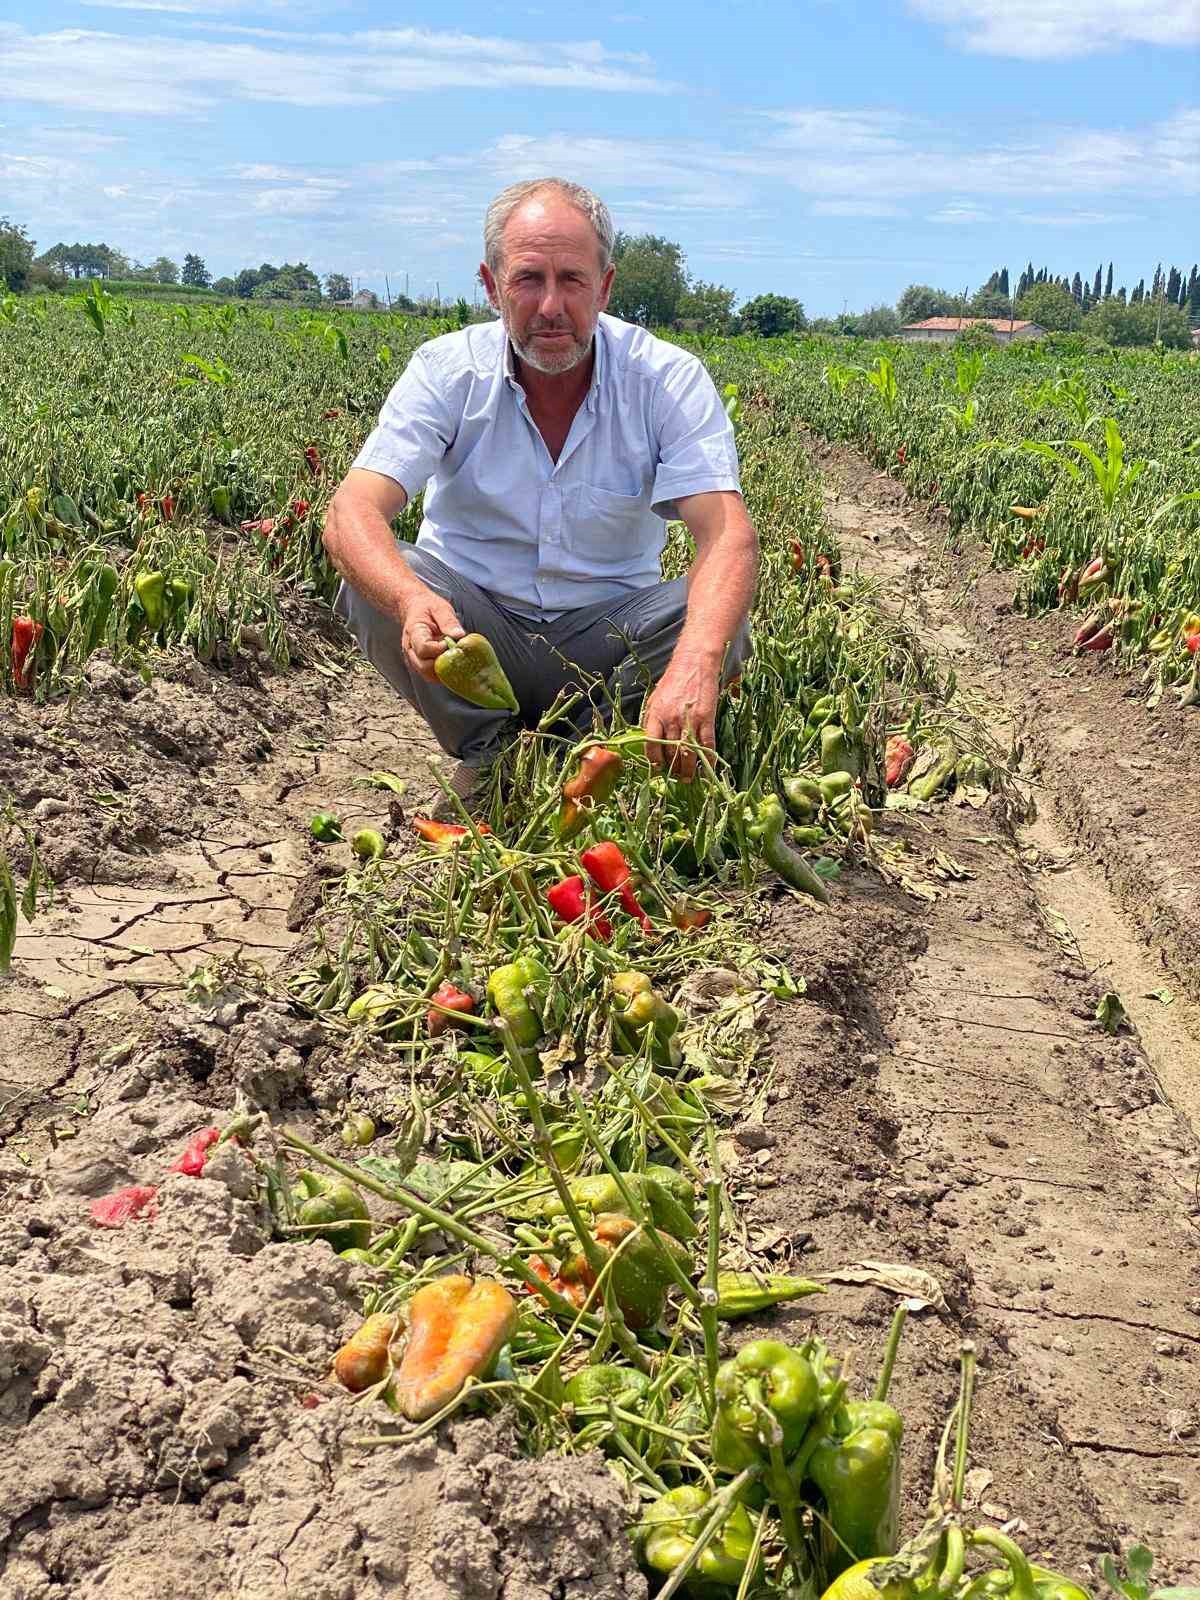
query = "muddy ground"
{"x": 940, "y": 1097}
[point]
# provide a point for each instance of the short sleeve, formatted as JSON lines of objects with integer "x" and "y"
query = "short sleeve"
{"x": 696, "y": 449}
{"x": 415, "y": 428}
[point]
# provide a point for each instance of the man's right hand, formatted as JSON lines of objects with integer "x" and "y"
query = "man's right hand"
{"x": 426, "y": 622}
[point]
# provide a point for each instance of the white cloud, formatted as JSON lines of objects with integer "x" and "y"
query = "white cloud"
{"x": 160, "y": 75}
{"x": 855, "y": 208}
{"x": 959, "y": 214}
{"x": 1040, "y": 30}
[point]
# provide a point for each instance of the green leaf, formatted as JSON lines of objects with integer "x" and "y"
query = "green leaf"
{"x": 383, "y": 780}
{"x": 1138, "y": 1562}
{"x": 1164, "y": 996}
{"x": 1110, "y": 1013}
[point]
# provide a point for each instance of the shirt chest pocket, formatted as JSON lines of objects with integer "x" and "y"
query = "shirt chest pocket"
{"x": 609, "y": 533}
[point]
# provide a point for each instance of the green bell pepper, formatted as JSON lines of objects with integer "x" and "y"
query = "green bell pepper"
{"x": 513, "y": 990}
{"x": 766, "y": 1395}
{"x": 836, "y": 752}
{"x": 602, "y": 1193}
{"x": 670, "y": 1527}
{"x": 856, "y": 1466}
{"x": 605, "y": 1381}
{"x": 334, "y": 1209}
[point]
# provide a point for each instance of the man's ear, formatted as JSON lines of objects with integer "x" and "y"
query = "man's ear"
{"x": 489, "y": 284}
{"x": 606, "y": 284}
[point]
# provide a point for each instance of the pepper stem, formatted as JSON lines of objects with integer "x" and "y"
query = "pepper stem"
{"x": 889, "y": 1352}
{"x": 966, "y": 1395}
{"x": 448, "y": 1224}
{"x": 592, "y": 1253}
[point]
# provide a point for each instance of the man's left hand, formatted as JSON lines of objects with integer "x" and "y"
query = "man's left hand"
{"x": 683, "y": 705}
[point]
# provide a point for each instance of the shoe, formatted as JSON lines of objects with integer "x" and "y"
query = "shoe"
{"x": 465, "y": 784}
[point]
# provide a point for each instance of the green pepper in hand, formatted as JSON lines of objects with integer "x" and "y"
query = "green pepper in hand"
{"x": 856, "y": 1466}
{"x": 470, "y": 668}
{"x": 670, "y": 1527}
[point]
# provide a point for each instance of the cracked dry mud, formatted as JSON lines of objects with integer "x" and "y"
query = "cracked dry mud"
{"x": 941, "y": 1097}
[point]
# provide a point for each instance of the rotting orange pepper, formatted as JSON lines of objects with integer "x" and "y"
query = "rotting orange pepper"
{"x": 445, "y": 835}
{"x": 593, "y": 784}
{"x": 457, "y": 1329}
{"x": 366, "y": 1357}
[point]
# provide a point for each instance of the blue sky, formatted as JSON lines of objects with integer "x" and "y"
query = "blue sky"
{"x": 834, "y": 150}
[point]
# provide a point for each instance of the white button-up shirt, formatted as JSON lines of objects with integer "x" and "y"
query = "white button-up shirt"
{"x": 543, "y": 536}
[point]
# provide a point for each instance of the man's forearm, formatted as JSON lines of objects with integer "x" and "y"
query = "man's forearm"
{"x": 360, "y": 543}
{"x": 721, "y": 586}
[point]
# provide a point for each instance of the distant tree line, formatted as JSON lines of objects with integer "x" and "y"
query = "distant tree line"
{"x": 654, "y": 287}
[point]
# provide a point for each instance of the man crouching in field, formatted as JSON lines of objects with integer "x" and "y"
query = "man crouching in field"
{"x": 554, "y": 445}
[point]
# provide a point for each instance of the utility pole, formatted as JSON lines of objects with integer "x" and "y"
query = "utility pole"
{"x": 438, "y": 287}
{"x": 388, "y": 287}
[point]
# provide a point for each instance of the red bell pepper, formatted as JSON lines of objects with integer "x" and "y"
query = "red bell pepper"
{"x": 445, "y": 1000}
{"x": 25, "y": 635}
{"x": 1094, "y": 576}
{"x": 609, "y": 871}
{"x": 898, "y": 756}
{"x": 138, "y": 1201}
{"x": 572, "y": 902}
{"x": 444, "y": 835}
{"x": 195, "y": 1152}
{"x": 167, "y": 504}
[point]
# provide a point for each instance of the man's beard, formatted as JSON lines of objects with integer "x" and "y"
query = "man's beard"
{"x": 552, "y": 362}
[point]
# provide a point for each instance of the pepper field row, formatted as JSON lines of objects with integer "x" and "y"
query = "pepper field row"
{"x": 1069, "y": 464}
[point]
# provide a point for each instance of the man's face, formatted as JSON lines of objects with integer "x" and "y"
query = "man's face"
{"x": 549, "y": 288}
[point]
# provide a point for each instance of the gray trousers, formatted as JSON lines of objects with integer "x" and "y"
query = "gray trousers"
{"x": 625, "y": 644}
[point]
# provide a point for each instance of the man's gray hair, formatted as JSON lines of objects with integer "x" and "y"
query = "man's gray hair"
{"x": 507, "y": 201}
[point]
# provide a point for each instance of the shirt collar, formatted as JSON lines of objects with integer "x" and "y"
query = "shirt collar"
{"x": 598, "y": 364}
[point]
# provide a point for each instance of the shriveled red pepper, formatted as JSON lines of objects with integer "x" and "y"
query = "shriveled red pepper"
{"x": 167, "y": 505}
{"x": 444, "y": 835}
{"x": 820, "y": 560}
{"x": 1095, "y": 633}
{"x": 608, "y": 869}
{"x": 328, "y": 416}
{"x": 25, "y": 635}
{"x": 1094, "y": 575}
{"x": 1032, "y": 547}
{"x": 446, "y": 1003}
{"x": 898, "y": 756}
{"x": 195, "y": 1152}
{"x": 901, "y": 454}
{"x": 1068, "y": 586}
{"x": 313, "y": 456}
{"x": 300, "y": 508}
{"x": 586, "y": 792}
{"x": 138, "y": 1202}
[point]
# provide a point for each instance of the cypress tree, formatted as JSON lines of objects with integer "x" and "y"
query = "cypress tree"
{"x": 1002, "y": 284}
{"x": 1096, "y": 285}
{"x": 1121, "y": 294}
{"x": 1173, "y": 286}
{"x": 1194, "y": 292}
{"x": 1157, "y": 283}
{"x": 1077, "y": 288}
